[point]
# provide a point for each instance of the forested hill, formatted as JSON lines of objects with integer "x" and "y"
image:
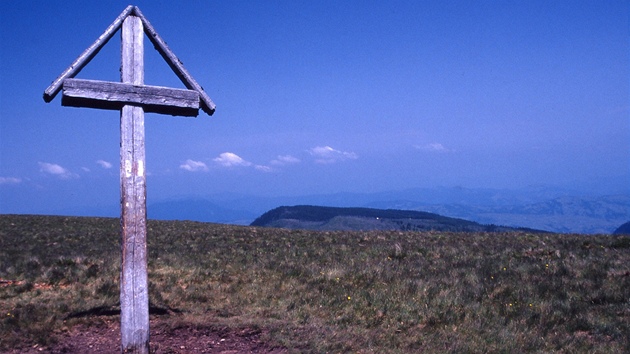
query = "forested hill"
{"x": 333, "y": 218}
{"x": 623, "y": 229}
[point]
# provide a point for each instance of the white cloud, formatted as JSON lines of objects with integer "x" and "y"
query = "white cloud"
{"x": 263, "y": 168}
{"x": 433, "y": 147}
{"x": 104, "y": 164}
{"x": 56, "y": 170}
{"x": 285, "y": 160}
{"x": 10, "y": 180}
{"x": 193, "y": 166}
{"x": 326, "y": 154}
{"x": 229, "y": 159}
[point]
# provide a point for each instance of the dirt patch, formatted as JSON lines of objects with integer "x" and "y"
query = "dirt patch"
{"x": 103, "y": 337}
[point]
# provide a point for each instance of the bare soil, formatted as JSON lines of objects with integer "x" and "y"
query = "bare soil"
{"x": 103, "y": 337}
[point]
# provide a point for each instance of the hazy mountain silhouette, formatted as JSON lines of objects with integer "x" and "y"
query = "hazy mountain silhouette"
{"x": 623, "y": 229}
{"x": 334, "y": 218}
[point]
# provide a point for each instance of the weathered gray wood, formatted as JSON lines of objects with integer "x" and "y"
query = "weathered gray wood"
{"x": 134, "y": 290}
{"x": 87, "y": 55}
{"x": 176, "y": 65}
{"x": 113, "y": 95}
{"x": 133, "y": 98}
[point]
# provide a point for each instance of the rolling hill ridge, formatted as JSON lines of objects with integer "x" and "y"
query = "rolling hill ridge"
{"x": 334, "y": 218}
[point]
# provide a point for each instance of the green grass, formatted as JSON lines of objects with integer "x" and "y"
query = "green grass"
{"x": 317, "y": 292}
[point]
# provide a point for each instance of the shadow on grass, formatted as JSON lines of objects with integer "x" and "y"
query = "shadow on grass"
{"x": 115, "y": 310}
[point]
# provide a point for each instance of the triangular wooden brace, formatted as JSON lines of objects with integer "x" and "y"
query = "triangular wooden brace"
{"x": 173, "y": 62}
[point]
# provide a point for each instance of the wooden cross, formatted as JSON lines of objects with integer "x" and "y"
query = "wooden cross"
{"x": 132, "y": 98}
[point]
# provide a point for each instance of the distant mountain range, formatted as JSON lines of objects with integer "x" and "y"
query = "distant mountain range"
{"x": 538, "y": 208}
{"x": 335, "y": 218}
{"x": 566, "y": 214}
{"x": 199, "y": 210}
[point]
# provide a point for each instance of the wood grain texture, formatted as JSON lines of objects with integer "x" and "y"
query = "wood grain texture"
{"x": 113, "y": 95}
{"x": 87, "y": 55}
{"x": 134, "y": 289}
{"x": 133, "y": 99}
{"x": 176, "y": 65}
{"x": 160, "y": 45}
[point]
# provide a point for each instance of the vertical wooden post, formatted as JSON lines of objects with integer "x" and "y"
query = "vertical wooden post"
{"x": 134, "y": 97}
{"x": 134, "y": 292}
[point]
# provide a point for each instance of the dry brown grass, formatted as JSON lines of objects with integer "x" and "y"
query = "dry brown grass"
{"x": 329, "y": 291}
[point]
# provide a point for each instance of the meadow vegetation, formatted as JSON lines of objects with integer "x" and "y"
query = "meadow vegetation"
{"x": 316, "y": 291}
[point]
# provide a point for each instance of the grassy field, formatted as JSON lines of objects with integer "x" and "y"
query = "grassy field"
{"x": 321, "y": 292}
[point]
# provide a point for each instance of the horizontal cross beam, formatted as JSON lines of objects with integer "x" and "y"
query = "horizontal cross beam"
{"x": 176, "y": 65}
{"x": 114, "y": 95}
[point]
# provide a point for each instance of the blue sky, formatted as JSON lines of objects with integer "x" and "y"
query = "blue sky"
{"x": 326, "y": 96}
